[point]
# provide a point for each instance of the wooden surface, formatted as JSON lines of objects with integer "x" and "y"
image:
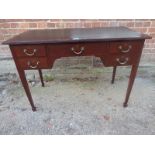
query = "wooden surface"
{"x": 38, "y": 49}
{"x": 76, "y": 35}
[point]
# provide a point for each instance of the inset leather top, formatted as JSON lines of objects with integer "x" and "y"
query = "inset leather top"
{"x": 76, "y": 35}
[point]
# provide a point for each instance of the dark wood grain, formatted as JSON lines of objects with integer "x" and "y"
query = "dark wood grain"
{"x": 33, "y": 63}
{"x": 25, "y": 85}
{"x": 19, "y": 50}
{"x": 133, "y": 75}
{"x": 116, "y": 46}
{"x": 26, "y": 88}
{"x": 76, "y": 35}
{"x": 64, "y": 50}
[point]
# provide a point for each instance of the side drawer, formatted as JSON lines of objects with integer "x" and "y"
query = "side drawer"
{"x": 28, "y": 50}
{"x": 123, "y": 53}
{"x": 119, "y": 60}
{"x": 124, "y": 47}
{"x": 33, "y": 63}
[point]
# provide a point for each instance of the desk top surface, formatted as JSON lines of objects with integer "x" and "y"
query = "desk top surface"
{"x": 76, "y": 35}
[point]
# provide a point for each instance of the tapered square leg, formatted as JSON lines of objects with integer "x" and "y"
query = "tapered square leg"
{"x": 130, "y": 84}
{"x": 41, "y": 77}
{"x": 26, "y": 88}
{"x": 113, "y": 74}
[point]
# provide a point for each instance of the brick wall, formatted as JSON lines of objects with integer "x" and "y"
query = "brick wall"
{"x": 11, "y": 27}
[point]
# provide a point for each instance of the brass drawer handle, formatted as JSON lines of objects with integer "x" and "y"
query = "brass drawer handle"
{"x": 125, "y": 51}
{"x": 30, "y": 53}
{"x": 78, "y": 53}
{"x": 122, "y": 62}
{"x": 31, "y": 66}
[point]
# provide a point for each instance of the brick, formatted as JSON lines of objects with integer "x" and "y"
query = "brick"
{"x": 2, "y": 20}
{"x": 104, "y": 24}
{"x": 14, "y": 31}
{"x": 11, "y": 31}
{"x": 12, "y": 20}
{"x": 142, "y": 20}
{"x": 88, "y": 25}
{"x": 124, "y": 20}
{"x": 23, "y": 25}
{"x": 7, "y": 37}
{"x": 113, "y": 23}
{"x": 51, "y": 25}
{"x": 146, "y": 24}
{"x": 60, "y": 25}
{"x": 3, "y": 31}
{"x": 153, "y": 24}
{"x": 138, "y": 24}
{"x": 35, "y": 20}
{"x": 68, "y": 20}
{"x": 150, "y": 41}
{"x": 122, "y": 24}
{"x": 89, "y": 20}
{"x": 106, "y": 20}
{"x": 83, "y": 20}
{"x": 14, "y": 25}
{"x": 42, "y": 25}
{"x": 1, "y": 25}
{"x": 69, "y": 25}
{"x": 32, "y": 25}
{"x": 55, "y": 20}
{"x": 1, "y": 38}
{"x": 149, "y": 45}
{"x": 130, "y": 24}
{"x": 152, "y": 34}
{"x": 79, "y": 25}
{"x": 5, "y": 25}
{"x": 96, "y": 24}
{"x": 151, "y": 30}
{"x": 143, "y": 30}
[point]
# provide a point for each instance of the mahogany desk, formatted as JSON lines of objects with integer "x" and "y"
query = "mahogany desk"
{"x": 38, "y": 49}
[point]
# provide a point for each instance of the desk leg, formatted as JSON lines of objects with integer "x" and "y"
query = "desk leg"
{"x": 113, "y": 74}
{"x": 130, "y": 84}
{"x": 41, "y": 77}
{"x": 26, "y": 88}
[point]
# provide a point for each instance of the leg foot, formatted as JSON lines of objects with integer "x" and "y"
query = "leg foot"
{"x": 130, "y": 84}
{"x": 34, "y": 109}
{"x": 125, "y": 105}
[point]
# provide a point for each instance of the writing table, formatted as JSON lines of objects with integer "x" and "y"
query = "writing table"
{"x": 38, "y": 49}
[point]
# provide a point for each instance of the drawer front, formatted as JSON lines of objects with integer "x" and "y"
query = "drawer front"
{"x": 124, "y": 47}
{"x": 123, "y": 53}
{"x": 77, "y": 49}
{"x": 119, "y": 60}
{"x": 33, "y": 63}
{"x": 29, "y": 50}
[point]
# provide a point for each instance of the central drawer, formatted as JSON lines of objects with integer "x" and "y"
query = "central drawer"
{"x": 77, "y": 49}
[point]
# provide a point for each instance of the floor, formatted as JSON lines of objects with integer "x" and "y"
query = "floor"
{"x": 81, "y": 105}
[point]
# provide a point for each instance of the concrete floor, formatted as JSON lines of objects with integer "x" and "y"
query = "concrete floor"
{"x": 80, "y": 105}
